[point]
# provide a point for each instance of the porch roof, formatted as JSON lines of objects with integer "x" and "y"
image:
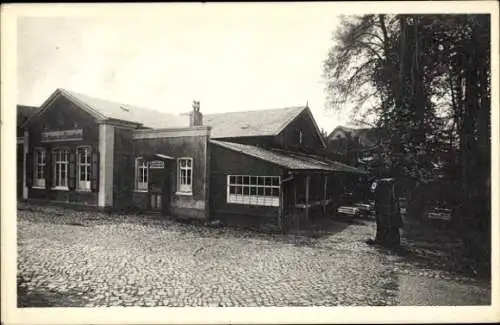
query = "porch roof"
{"x": 292, "y": 161}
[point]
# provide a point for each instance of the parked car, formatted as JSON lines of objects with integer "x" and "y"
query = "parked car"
{"x": 439, "y": 214}
{"x": 350, "y": 211}
{"x": 367, "y": 208}
{"x": 440, "y": 209}
{"x": 357, "y": 209}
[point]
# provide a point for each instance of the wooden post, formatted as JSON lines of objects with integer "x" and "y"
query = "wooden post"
{"x": 308, "y": 181}
{"x": 281, "y": 208}
{"x": 295, "y": 203}
{"x": 325, "y": 182}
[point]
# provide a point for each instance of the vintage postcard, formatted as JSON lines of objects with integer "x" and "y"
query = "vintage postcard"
{"x": 250, "y": 162}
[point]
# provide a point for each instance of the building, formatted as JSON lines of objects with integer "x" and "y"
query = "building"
{"x": 365, "y": 137}
{"x": 257, "y": 167}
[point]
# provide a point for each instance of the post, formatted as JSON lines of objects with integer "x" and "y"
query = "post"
{"x": 295, "y": 203}
{"x": 308, "y": 181}
{"x": 106, "y": 165}
{"x": 281, "y": 207}
{"x": 25, "y": 168}
{"x": 325, "y": 182}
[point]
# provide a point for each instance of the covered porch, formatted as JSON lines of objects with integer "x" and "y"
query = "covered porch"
{"x": 309, "y": 196}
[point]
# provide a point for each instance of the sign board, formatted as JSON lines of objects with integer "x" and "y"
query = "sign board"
{"x": 64, "y": 135}
{"x": 157, "y": 164}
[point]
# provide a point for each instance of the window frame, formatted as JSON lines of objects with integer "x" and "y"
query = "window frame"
{"x": 184, "y": 189}
{"x": 88, "y": 171}
{"x": 55, "y": 163}
{"x": 37, "y": 180}
{"x": 144, "y": 166}
{"x": 250, "y": 194}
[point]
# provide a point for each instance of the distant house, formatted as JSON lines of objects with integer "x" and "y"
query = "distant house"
{"x": 258, "y": 167}
{"x": 365, "y": 137}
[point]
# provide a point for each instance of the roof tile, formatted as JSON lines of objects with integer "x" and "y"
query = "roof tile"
{"x": 293, "y": 161}
{"x": 250, "y": 123}
{"x": 130, "y": 113}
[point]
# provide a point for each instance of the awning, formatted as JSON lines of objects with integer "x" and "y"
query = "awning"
{"x": 157, "y": 156}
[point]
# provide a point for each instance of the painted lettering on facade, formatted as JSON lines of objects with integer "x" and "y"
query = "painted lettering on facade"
{"x": 64, "y": 135}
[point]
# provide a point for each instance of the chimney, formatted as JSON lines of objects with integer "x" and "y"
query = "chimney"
{"x": 195, "y": 117}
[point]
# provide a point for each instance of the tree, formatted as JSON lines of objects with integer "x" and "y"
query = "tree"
{"x": 425, "y": 80}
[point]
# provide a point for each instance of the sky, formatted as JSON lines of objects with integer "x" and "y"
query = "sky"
{"x": 227, "y": 58}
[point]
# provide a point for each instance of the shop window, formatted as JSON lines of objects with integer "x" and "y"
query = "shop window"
{"x": 40, "y": 165}
{"x": 185, "y": 168}
{"x": 253, "y": 190}
{"x": 84, "y": 159}
{"x": 141, "y": 175}
{"x": 61, "y": 162}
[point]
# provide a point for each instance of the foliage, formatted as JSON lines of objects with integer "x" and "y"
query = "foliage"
{"x": 425, "y": 82}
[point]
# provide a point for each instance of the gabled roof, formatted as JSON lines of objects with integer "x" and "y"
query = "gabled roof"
{"x": 103, "y": 109}
{"x": 266, "y": 122}
{"x": 287, "y": 159}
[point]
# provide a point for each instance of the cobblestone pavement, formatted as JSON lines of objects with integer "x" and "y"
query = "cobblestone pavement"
{"x": 68, "y": 258}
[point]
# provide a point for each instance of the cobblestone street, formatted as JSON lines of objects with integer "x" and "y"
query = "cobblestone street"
{"x": 69, "y": 258}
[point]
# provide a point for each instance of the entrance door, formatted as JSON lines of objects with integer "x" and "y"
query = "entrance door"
{"x": 158, "y": 190}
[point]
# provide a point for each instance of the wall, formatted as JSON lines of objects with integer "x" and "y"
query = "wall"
{"x": 260, "y": 141}
{"x": 123, "y": 172}
{"x": 227, "y": 162}
{"x": 289, "y": 139}
{"x": 62, "y": 114}
{"x": 20, "y": 165}
{"x": 183, "y": 143}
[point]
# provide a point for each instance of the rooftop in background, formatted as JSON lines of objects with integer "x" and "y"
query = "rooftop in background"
{"x": 365, "y": 136}
{"x": 251, "y": 123}
{"x": 293, "y": 161}
{"x": 23, "y": 113}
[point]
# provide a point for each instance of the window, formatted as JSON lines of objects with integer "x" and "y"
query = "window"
{"x": 141, "y": 175}
{"x": 60, "y": 158}
{"x": 253, "y": 190}
{"x": 185, "y": 167}
{"x": 40, "y": 163}
{"x": 300, "y": 136}
{"x": 84, "y": 168}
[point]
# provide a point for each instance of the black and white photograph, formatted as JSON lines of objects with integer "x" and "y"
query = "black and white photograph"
{"x": 282, "y": 154}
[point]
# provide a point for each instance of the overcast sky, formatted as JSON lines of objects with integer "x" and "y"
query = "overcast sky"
{"x": 230, "y": 60}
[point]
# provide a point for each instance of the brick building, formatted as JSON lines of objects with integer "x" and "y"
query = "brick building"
{"x": 254, "y": 167}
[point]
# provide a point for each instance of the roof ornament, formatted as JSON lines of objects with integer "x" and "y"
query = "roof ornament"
{"x": 196, "y": 105}
{"x": 307, "y": 104}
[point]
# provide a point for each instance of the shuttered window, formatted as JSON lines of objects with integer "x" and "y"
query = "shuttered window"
{"x": 60, "y": 158}
{"x": 84, "y": 159}
{"x": 39, "y": 167}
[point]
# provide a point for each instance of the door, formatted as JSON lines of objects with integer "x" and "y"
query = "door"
{"x": 158, "y": 186}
